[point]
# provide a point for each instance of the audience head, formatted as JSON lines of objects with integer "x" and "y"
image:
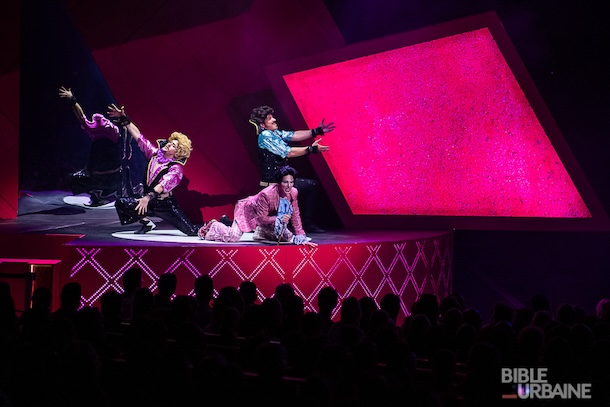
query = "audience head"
{"x": 566, "y": 314}
{"x": 70, "y": 295}
{"x": 602, "y": 310}
{"x": 132, "y": 280}
{"x": 167, "y": 284}
{"x": 368, "y": 306}
{"x": 143, "y": 303}
{"x": 390, "y": 303}
{"x": 284, "y": 292}
{"x": 328, "y": 298}
{"x": 234, "y": 296}
{"x": 427, "y": 304}
{"x": 204, "y": 287}
{"x": 501, "y": 312}
{"x": 451, "y": 301}
{"x": 248, "y": 292}
{"x": 350, "y": 311}
{"x": 41, "y": 298}
{"x": 110, "y": 305}
{"x": 473, "y": 317}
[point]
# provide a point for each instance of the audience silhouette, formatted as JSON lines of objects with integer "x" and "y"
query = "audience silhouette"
{"x": 328, "y": 299}
{"x": 132, "y": 282}
{"x": 230, "y": 348}
{"x": 204, "y": 294}
{"x": 166, "y": 290}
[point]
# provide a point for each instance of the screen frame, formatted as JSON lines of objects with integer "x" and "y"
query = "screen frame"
{"x": 597, "y": 222}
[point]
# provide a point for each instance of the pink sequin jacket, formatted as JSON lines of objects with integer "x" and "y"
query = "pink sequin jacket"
{"x": 175, "y": 173}
{"x": 261, "y": 209}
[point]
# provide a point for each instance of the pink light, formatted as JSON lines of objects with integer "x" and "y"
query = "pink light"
{"x": 437, "y": 128}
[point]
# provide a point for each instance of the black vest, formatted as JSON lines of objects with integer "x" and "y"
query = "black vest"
{"x": 269, "y": 164}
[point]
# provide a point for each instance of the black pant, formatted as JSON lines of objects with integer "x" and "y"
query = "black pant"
{"x": 166, "y": 209}
{"x": 103, "y": 188}
{"x": 308, "y": 195}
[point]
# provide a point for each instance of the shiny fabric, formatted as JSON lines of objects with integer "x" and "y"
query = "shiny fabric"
{"x": 126, "y": 209}
{"x": 273, "y": 151}
{"x": 221, "y": 233}
{"x": 167, "y": 174}
{"x": 269, "y": 164}
{"x": 258, "y": 212}
{"x": 100, "y": 127}
{"x": 267, "y": 233}
{"x": 175, "y": 173}
{"x": 166, "y": 209}
{"x": 284, "y": 209}
{"x": 262, "y": 209}
{"x": 271, "y": 158}
{"x": 103, "y": 188}
{"x": 276, "y": 141}
{"x": 101, "y": 178}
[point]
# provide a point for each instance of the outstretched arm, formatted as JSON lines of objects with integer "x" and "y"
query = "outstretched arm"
{"x": 66, "y": 94}
{"x": 119, "y": 113}
{"x": 314, "y": 148}
{"x": 322, "y": 129}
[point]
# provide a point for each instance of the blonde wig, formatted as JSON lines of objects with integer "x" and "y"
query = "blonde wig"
{"x": 184, "y": 145}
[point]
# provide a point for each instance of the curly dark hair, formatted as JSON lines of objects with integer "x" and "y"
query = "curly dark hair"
{"x": 285, "y": 170}
{"x": 259, "y": 114}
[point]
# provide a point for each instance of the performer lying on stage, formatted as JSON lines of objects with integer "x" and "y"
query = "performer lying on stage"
{"x": 267, "y": 213}
{"x": 163, "y": 174}
{"x": 102, "y": 177}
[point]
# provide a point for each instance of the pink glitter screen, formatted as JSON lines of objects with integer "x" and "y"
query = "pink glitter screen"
{"x": 440, "y": 128}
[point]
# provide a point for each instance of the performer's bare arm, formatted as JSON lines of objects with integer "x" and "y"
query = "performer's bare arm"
{"x": 300, "y": 135}
{"x": 66, "y": 93}
{"x": 315, "y": 147}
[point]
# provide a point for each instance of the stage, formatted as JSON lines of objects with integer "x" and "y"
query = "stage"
{"x": 57, "y": 239}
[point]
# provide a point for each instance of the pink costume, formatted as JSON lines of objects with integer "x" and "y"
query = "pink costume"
{"x": 100, "y": 127}
{"x": 161, "y": 171}
{"x": 258, "y": 213}
{"x": 156, "y": 163}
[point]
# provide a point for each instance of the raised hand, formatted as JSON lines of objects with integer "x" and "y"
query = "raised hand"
{"x": 65, "y": 93}
{"x": 115, "y": 111}
{"x": 321, "y": 148}
{"x": 327, "y": 128}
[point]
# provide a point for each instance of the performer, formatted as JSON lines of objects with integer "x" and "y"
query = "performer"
{"x": 267, "y": 213}
{"x": 163, "y": 174}
{"x": 101, "y": 178}
{"x": 274, "y": 152}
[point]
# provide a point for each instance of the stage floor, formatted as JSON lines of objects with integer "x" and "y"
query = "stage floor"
{"x": 46, "y": 212}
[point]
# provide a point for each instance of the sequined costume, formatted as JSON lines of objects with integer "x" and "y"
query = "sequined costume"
{"x": 273, "y": 152}
{"x": 102, "y": 177}
{"x": 258, "y": 213}
{"x": 159, "y": 172}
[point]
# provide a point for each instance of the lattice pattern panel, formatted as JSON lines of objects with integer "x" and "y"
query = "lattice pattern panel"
{"x": 407, "y": 268}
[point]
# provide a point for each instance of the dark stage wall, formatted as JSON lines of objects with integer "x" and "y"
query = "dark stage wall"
{"x": 145, "y": 57}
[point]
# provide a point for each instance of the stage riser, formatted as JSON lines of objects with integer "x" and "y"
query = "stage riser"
{"x": 407, "y": 268}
